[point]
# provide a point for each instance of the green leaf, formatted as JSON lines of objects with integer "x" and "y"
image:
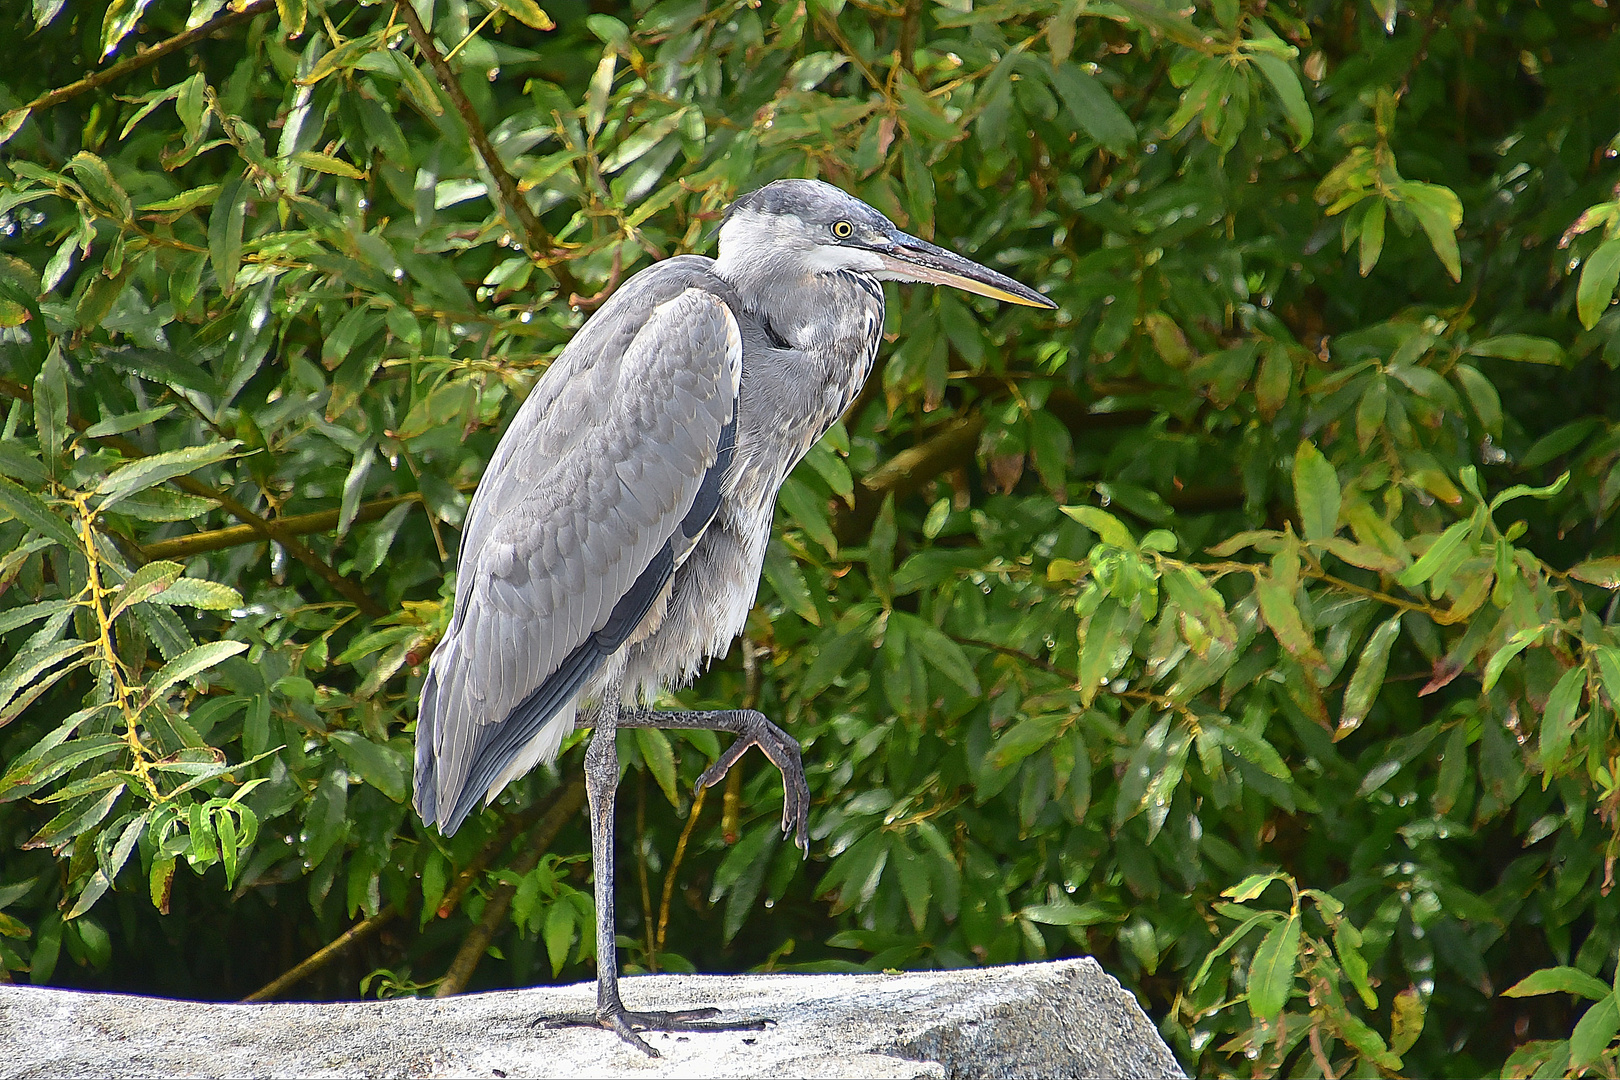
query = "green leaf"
{"x": 225, "y": 224}
{"x": 1316, "y": 489}
{"x": 1560, "y": 980}
{"x": 51, "y": 409}
{"x": 916, "y": 884}
{"x": 559, "y": 935}
{"x": 117, "y": 425}
{"x": 1523, "y": 347}
{"x": 1104, "y": 647}
{"x": 1558, "y": 721}
{"x": 1285, "y": 81}
{"x": 326, "y": 163}
{"x": 1252, "y": 886}
{"x": 1406, "y": 1020}
{"x": 1247, "y": 746}
{"x": 1608, "y": 658}
{"x": 144, "y": 584}
{"x": 12, "y": 618}
{"x": 119, "y": 19}
{"x": 1068, "y": 913}
{"x": 1598, "y": 278}
{"x": 97, "y": 181}
{"x": 786, "y": 577}
{"x": 377, "y": 764}
{"x": 11, "y": 122}
{"x": 660, "y": 758}
{"x": 740, "y": 876}
{"x": 1347, "y": 944}
{"x": 1282, "y": 616}
{"x": 146, "y": 472}
{"x": 189, "y": 663}
{"x": 1515, "y": 645}
{"x": 880, "y": 551}
{"x": 809, "y": 512}
{"x": 1593, "y": 1033}
{"x": 1604, "y": 571}
{"x": 77, "y": 819}
{"x": 527, "y": 12}
{"x": 354, "y": 487}
{"x": 598, "y": 92}
{"x": 31, "y": 510}
{"x": 31, "y": 771}
{"x": 1271, "y": 974}
{"x": 1439, "y": 211}
{"x": 1107, "y": 527}
{"x": 21, "y": 680}
{"x": 293, "y": 14}
{"x": 940, "y": 652}
{"x": 1482, "y": 395}
{"x": 1368, "y": 678}
{"x": 196, "y": 593}
{"x": 1371, "y": 244}
{"x": 1250, "y": 921}
{"x": 1093, "y": 109}
{"x": 1444, "y": 553}
{"x": 1025, "y": 737}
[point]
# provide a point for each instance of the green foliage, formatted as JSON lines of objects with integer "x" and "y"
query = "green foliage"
{"x": 1248, "y": 622}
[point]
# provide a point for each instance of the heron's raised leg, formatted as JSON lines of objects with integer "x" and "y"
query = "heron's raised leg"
{"x": 601, "y": 790}
{"x": 752, "y": 729}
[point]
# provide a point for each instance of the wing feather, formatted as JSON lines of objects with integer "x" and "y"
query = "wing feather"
{"x": 576, "y": 528}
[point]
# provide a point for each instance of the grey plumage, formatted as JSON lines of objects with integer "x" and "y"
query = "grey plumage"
{"x": 615, "y": 542}
{"x": 593, "y": 479}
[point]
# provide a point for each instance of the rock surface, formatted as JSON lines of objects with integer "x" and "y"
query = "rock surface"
{"x": 1063, "y": 1019}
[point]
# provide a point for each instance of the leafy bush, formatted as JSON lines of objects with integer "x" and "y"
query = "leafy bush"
{"x": 1248, "y": 622}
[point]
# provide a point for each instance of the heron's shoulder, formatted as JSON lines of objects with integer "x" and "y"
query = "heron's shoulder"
{"x": 648, "y": 289}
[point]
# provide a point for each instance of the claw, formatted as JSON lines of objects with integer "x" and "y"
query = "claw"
{"x": 782, "y": 750}
{"x": 627, "y": 1025}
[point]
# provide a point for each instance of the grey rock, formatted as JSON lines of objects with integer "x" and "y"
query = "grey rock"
{"x": 1063, "y": 1019}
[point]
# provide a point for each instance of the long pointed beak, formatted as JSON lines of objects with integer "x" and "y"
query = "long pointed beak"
{"x": 911, "y": 259}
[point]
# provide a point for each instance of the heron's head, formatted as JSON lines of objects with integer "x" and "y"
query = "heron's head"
{"x": 808, "y": 226}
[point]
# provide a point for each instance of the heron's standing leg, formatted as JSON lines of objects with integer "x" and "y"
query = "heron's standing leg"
{"x": 601, "y": 790}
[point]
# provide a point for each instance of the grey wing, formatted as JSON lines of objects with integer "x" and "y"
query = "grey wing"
{"x": 597, "y": 491}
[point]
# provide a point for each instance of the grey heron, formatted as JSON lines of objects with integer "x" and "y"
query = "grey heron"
{"x": 615, "y": 541}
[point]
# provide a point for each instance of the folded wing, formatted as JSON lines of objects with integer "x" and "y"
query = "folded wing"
{"x": 607, "y": 476}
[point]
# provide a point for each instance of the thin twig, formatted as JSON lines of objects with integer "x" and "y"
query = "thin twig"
{"x": 587, "y": 302}
{"x": 147, "y": 56}
{"x": 674, "y": 867}
{"x": 290, "y": 978}
{"x": 566, "y": 805}
{"x": 536, "y": 240}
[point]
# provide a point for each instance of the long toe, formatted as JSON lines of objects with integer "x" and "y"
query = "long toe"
{"x": 628, "y": 1025}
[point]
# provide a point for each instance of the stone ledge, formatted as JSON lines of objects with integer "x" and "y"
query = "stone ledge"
{"x": 1062, "y": 1019}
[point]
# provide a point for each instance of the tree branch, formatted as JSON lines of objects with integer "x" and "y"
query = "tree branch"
{"x": 147, "y": 56}
{"x": 565, "y": 805}
{"x": 323, "y": 956}
{"x": 951, "y": 445}
{"x": 954, "y": 444}
{"x": 181, "y": 547}
{"x": 536, "y": 240}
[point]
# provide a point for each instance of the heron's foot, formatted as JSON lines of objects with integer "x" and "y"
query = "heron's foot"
{"x": 782, "y": 750}
{"x": 628, "y": 1025}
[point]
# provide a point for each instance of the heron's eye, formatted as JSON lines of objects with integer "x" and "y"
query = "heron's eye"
{"x": 842, "y": 229}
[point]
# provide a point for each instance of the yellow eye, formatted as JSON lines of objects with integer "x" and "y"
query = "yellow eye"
{"x": 843, "y": 230}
